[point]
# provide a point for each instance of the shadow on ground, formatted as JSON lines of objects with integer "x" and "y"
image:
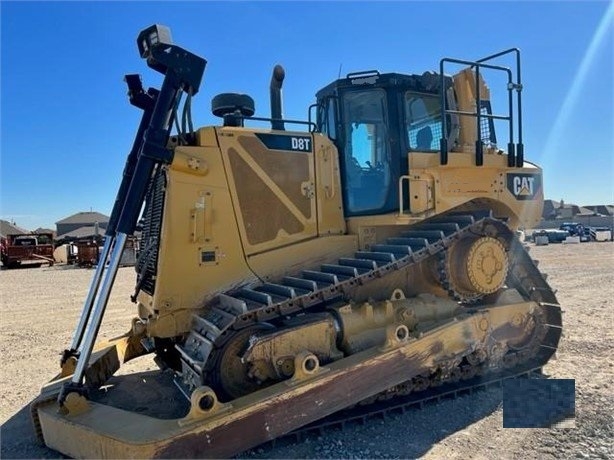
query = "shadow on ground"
{"x": 397, "y": 435}
{"x": 401, "y": 435}
{"x": 19, "y": 440}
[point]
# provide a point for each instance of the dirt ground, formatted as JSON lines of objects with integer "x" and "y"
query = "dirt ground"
{"x": 39, "y": 309}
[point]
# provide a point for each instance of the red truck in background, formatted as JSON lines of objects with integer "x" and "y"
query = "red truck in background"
{"x": 30, "y": 250}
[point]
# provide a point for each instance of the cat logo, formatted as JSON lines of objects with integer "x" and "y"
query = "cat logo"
{"x": 524, "y": 186}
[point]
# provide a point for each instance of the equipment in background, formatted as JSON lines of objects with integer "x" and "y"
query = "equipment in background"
{"x": 27, "y": 250}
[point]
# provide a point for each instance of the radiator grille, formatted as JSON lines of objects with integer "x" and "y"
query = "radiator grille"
{"x": 147, "y": 263}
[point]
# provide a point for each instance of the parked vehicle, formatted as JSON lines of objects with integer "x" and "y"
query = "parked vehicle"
{"x": 27, "y": 250}
{"x": 574, "y": 229}
{"x": 88, "y": 252}
{"x": 554, "y": 236}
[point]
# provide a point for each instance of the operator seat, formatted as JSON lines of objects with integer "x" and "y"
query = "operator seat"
{"x": 424, "y": 138}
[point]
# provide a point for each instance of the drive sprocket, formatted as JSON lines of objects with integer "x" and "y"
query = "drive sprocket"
{"x": 473, "y": 267}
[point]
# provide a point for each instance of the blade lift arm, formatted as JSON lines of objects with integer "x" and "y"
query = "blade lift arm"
{"x": 145, "y": 101}
{"x": 183, "y": 72}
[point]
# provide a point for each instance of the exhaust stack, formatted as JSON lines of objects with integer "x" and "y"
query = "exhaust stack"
{"x": 277, "y": 79}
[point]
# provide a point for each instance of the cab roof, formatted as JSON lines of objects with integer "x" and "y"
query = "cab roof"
{"x": 428, "y": 82}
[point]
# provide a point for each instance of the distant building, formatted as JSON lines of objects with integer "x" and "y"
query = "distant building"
{"x": 557, "y": 212}
{"x": 82, "y": 225}
{"x": 10, "y": 228}
{"x": 549, "y": 211}
{"x": 554, "y": 210}
{"x": 40, "y": 230}
{"x": 601, "y": 209}
{"x": 86, "y": 230}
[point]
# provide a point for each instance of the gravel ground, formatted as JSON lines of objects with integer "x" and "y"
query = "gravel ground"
{"x": 39, "y": 309}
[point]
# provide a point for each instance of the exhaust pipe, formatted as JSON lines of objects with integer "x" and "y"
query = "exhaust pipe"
{"x": 277, "y": 79}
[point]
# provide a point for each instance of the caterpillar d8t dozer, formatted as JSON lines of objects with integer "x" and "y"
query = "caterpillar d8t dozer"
{"x": 287, "y": 275}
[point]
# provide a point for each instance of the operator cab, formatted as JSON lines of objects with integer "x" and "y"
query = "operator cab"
{"x": 375, "y": 121}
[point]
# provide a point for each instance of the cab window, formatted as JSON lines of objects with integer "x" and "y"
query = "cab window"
{"x": 423, "y": 121}
{"x": 327, "y": 118}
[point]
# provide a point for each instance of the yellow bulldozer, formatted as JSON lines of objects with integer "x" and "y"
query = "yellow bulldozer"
{"x": 285, "y": 275}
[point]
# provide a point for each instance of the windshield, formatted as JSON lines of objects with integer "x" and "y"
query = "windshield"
{"x": 366, "y": 152}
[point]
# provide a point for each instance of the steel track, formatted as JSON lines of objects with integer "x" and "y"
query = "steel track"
{"x": 234, "y": 311}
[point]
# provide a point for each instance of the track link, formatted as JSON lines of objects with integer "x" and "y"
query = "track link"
{"x": 236, "y": 310}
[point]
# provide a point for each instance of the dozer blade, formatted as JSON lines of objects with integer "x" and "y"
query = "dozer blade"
{"x": 87, "y": 429}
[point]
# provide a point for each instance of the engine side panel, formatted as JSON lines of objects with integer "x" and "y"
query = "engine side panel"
{"x": 272, "y": 186}
{"x": 245, "y": 210}
{"x": 200, "y": 253}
